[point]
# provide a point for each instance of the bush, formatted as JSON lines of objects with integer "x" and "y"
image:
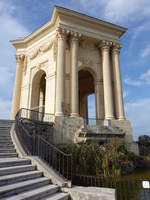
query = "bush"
{"x": 110, "y": 159}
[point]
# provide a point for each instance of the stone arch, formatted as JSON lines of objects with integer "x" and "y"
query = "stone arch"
{"x": 86, "y": 80}
{"x": 38, "y": 91}
{"x": 90, "y": 70}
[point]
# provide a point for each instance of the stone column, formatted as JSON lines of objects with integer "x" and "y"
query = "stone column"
{"x": 17, "y": 86}
{"x": 108, "y": 93}
{"x": 117, "y": 83}
{"x": 74, "y": 46}
{"x": 99, "y": 99}
{"x": 60, "y": 74}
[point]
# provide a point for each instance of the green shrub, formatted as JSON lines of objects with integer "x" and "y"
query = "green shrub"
{"x": 110, "y": 159}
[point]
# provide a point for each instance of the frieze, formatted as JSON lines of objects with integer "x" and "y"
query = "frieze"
{"x": 40, "y": 50}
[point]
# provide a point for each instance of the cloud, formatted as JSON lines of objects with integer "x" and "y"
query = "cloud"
{"x": 127, "y": 10}
{"x": 10, "y": 29}
{"x": 118, "y": 10}
{"x": 132, "y": 82}
{"x": 145, "y": 52}
{"x": 143, "y": 79}
{"x": 146, "y": 76}
{"x": 138, "y": 112}
{"x": 125, "y": 94}
{"x": 141, "y": 28}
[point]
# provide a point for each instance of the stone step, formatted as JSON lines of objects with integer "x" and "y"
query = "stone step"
{"x": 4, "y": 133}
{"x": 5, "y": 126}
{"x": 16, "y": 169}
{"x": 35, "y": 194}
{"x": 13, "y": 162}
{"x": 10, "y": 146}
{"x": 6, "y": 144}
{"x": 6, "y": 129}
{"x": 8, "y": 155}
{"x": 7, "y": 122}
{"x": 58, "y": 196}
{"x": 7, "y": 150}
{"x": 5, "y": 140}
{"x": 24, "y": 176}
{"x": 5, "y": 137}
{"x": 13, "y": 189}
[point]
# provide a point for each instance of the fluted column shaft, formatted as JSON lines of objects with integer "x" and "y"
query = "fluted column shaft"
{"x": 117, "y": 84}
{"x": 74, "y": 75}
{"x": 17, "y": 86}
{"x": 108, "y": 93}
{"x": 60, "y": 76}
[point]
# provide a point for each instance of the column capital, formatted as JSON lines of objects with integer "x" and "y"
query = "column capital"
{"x": 116, "y": 48}
{"x": 19, "y": 58}
{"x": 75, "y": 36}
{"x": 105, "y": 45}
{"x": 61, "y": 33}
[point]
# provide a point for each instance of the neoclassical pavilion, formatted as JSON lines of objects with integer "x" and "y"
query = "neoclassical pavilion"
{"x": 70, "y": 57}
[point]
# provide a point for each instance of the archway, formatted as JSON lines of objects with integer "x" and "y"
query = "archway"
{"x": 86, "y": 95}
{"x": 38, "y": 91}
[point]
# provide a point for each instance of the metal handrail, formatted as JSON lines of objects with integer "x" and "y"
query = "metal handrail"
{"x": 35, "y": 144}
{"x": 36, "y": 115}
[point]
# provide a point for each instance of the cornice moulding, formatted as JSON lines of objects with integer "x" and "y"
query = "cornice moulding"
{"x": 56, "y": 14}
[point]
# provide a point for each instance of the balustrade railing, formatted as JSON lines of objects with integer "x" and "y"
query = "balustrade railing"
{"x": 35, "y": 144}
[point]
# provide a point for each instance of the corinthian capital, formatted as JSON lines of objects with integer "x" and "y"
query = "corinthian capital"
{"x": 105, "y": 45}
{"x": 20, "y": 58}
{"x": 61, "y": 33}
{"x": 75, "y": 36}
{"x": 116, "y": 47}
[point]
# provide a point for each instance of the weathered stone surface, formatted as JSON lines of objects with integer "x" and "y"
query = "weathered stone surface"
{"x": 92, "y": 193}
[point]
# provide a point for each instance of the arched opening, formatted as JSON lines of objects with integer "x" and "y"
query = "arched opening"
{"x": 38, "y": 91}
{"x": 86, "y": 95}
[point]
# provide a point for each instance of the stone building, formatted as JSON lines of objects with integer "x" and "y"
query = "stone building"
{"x": 61, "y": 63}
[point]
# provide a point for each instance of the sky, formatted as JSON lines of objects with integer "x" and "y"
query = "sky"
{"x": 19, "y": 18}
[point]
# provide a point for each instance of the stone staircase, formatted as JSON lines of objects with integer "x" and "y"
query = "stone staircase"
{"x": 19, "y": 179}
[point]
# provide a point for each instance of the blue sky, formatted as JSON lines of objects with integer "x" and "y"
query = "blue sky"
{"x": 19, "y": 18}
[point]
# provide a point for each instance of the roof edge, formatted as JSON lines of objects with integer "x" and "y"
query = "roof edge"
{"x": 55, "y": 13}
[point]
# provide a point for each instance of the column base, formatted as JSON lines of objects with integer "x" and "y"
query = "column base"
{"x": 109, "y": 118}
{"x": 74, "y": 115}
{"x": 121, "y": 118}
{"x": 59, "y": 114}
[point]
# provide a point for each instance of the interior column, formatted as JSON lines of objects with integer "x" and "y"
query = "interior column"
{"x": 74, "y": 43}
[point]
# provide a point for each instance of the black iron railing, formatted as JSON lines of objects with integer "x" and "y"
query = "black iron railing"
{"x": 35, "y": 144}
{"x": 36, "y": 115}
